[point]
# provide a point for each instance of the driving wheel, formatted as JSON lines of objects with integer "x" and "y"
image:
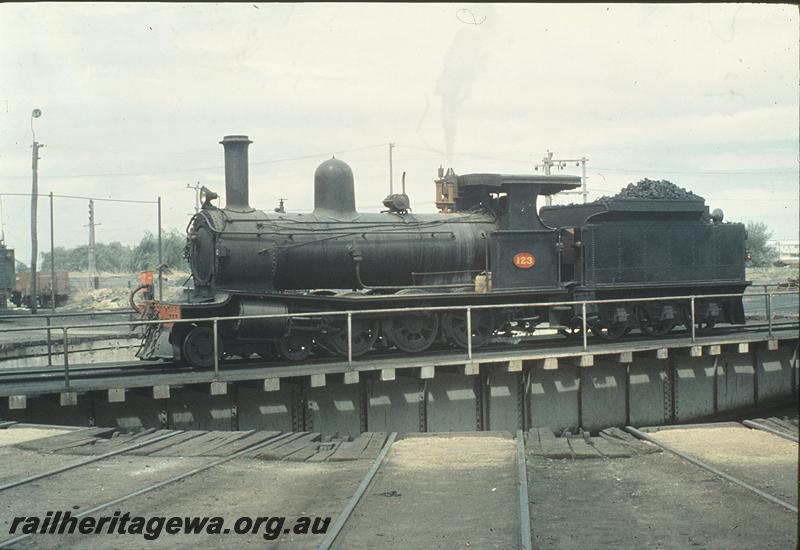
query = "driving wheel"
{"x": 295, "y": 346}
{"x": 454, "y": 325}
{"x": 412, "y": 333}
{"x": 610, "y": 331}
{"x": 365, "y": 333}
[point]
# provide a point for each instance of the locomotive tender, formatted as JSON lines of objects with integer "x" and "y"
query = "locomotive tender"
{"x": 488, "y": 245}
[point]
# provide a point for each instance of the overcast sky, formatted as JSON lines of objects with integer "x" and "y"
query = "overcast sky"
{"x": 135, "y": 98}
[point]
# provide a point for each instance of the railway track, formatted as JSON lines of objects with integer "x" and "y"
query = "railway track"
{"x": 533, "y": 344}
{"x": 706, "y": 485}
{"x": 12, "y": 542}
{"x": 486, "y": 489}
{"x": 490, "y": 476}
{"x": 717, "y": 471}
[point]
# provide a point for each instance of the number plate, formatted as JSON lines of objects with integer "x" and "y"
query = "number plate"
{"x": 524, "y": 260}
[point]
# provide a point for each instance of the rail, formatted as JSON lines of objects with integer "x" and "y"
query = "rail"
{"x": 348, "y": 315}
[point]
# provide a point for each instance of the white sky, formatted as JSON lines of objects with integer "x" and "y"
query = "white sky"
{"x": 135, "y": 98}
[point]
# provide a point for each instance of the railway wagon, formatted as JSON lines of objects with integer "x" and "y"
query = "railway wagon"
{"x": 21, "y": 297}
{"x": 488, "y": 245}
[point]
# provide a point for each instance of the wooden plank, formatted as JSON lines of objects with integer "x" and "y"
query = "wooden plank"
{"x": 65, "y": 440}
{"x": 280, "y": 452}
{"x": 351, "y": 450}
{"x": 618, "y": 436}
{"x": 196, "y": 446}
{"x": 303, "y": 454}
{"x": 208, "y": 450}
{"x": 783, "y": 425}
{"x": 610, "y": 448}
{"x": 552, "y": 446}
{"x": 285, "y": 439}
{"x": 374, "y": 446}
{"x": 700, "y": 426}
{"x": 99, "y": 446}
{"x": 581, "y": 449}
{"x": 239, "y": 444}
{"x": 155, "y": 448}
{"x": 323, "y": 453}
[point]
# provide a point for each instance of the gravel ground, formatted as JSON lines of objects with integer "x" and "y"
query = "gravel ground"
{"x": 440, "y": 492}
{"x": 435, "y": 492}
{"x": 18, "y": 435}
{"x": 759, "y": 458}
{"x": 243, "y": 487}
{"x": 652, "y": 501}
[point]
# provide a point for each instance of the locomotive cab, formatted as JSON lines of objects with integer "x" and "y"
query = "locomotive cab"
{"x": 523, "y": 252}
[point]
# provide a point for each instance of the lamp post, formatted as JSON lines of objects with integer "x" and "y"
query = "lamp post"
{"x": 32, "y": 290}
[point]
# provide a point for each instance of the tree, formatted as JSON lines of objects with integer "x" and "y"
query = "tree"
{"x": 758, "y": 236}
{"x": 116, "y": 257}
{"x": 145, "y": 256}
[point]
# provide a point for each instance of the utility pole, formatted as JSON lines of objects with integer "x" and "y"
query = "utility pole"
{"x": 52, "y": 259}
{"x": 32, "y": 290}
{"x": 548, "y": 162}
{"x": 196, "y": 188}
{"x": 92, "y": 252}
{"x": 391, "y": 183}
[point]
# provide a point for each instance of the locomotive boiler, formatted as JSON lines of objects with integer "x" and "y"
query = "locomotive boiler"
{"x": 487, "y": 245}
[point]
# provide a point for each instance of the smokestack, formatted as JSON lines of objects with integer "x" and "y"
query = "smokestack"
{"x": 237, "y": 185}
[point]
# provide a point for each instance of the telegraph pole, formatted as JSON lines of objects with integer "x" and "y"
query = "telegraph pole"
{"x": 92, "y": 252}
{"x": 32, "y": 290}
{"x": 391, "y": 183}
{"x": 196, "y": 188}
{"x": 52, "y": 259}
{"x": 548, "y": 162}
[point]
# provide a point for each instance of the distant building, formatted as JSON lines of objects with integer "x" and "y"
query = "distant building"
{"x": 788, "y": 251}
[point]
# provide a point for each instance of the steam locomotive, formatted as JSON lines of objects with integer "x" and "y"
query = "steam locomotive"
{"x": 489, "y": 244}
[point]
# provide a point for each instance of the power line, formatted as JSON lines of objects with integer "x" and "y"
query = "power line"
{"x": 784, "y": 170}
{"x": 754, "y": 171}
{"x": 218, "y": 167}
{"x": 78, "y": 197}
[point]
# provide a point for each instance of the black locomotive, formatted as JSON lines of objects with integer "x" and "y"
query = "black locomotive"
{"x": 488, "y": 245}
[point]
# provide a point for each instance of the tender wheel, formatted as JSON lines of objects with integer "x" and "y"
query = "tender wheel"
{"x": 412, "y": 333}
{"x": 454, "y": 326}
{"x": 703, "y": 325}
{"x": 610, "y": 331}
{"x": 574, "y": 328}
{"x": 198, "y": 347}
{"x": 365, "y": 333}
{"x": 653, "y": 327}
{"x": 296, "y": 346}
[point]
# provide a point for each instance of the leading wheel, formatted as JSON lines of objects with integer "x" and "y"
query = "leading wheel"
{"x": 454, "y": 325}
{"x": 198, "y": 347}
{"x": 412, "y": 333}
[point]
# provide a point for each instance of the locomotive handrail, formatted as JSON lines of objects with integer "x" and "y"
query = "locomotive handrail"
{"x": 49, "y": 316}
{"x": 143, "y": 322}
{"x": 91, "y": 313}
{"x": 348, "y": 314}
